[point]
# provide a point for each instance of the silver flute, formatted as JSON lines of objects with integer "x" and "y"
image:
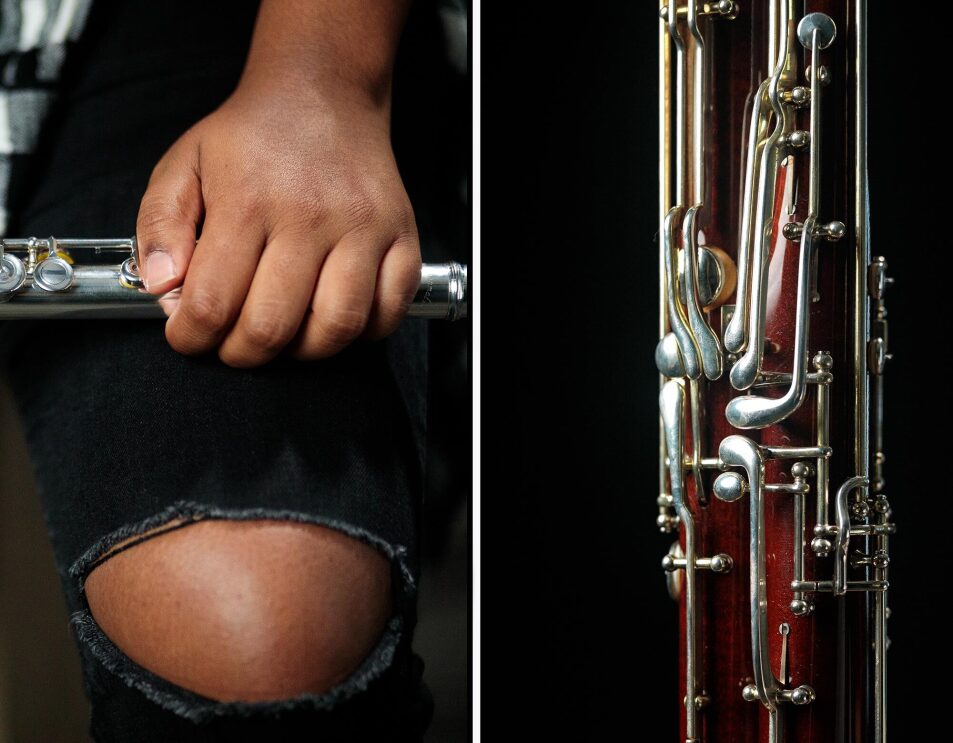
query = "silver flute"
{"x": 47, "y": 278}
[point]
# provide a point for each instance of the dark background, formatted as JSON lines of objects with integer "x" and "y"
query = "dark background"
{"x": 579, "y": 635}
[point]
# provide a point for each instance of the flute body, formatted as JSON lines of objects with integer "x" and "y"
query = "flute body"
{"x": 87, "y": 279}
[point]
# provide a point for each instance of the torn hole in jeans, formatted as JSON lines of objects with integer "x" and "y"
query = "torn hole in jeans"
{"x": 195, "y": 707}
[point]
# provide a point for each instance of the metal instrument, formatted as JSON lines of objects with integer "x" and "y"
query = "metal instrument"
{"x": 768, "y": 397}
{"x": 53, "y": 278}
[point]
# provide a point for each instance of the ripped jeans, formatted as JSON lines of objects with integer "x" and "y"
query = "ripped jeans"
{"x": 82, "y": 425}
{"x": 126, "y": 434}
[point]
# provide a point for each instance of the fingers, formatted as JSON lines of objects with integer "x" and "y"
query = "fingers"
{"x": 397, "y": 282}
{"x": 343, "y": 297}
{"x": 279, "y": 297}
{"x": 317, "y": 286}
{"x": 219, "y": 277}
{"x": 168, "y": 217}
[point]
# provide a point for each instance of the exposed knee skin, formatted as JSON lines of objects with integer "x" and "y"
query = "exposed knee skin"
{"x": 245, "y": 610}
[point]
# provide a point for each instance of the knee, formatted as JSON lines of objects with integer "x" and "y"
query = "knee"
{"x": 251, "y": 611}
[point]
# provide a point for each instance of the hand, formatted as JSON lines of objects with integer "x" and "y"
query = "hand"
{"x": 308, "y": 239}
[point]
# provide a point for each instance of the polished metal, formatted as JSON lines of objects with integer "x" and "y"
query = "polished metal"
{"x": 773, "y": 379}
{"x": 706, "y": 341}
{"x": 738, "y": 451}
{"x": 880, "y": 559}
{"x": 881, "y": 529}
{"x": 877, "y": 356}
{"x": 722, "y": 8}
{"x": 785, "y": 631}
{"x": 877, "y": 279}
{"x": 696, "y": 415}
{"x": 674, "y": 579}
{"x": 688, "y": 350}
{"x": 746, "y": 369}
{"x": 800, "y": 472}
{"x": 823, "y": 363}
{"x": 442, "y": 293}
{"x": 668, "y": 357}
{"x": 672, "y": 407}
{"x": 711, "y": 282}
{"x": 735, "y": 334}
{"x": 666, "y": 521}
{"x": 872, "y": 530}
{"x": 57, "y": 283}
{"x": 796, "y": 140}
{"x": 12, "y": 276}
{"x": 798, "y": 96}
{"x": 799, "y": 696}
{"x": 677, "y": 320}
{"x": 796, "y": 452}
{"x": 842, "y": 535}
{"x": 720, "y": 563}
{"x": 754, "y": 411}
{"x": 831, "y": 231}
{"x": 827, "y": 586}
{"x": 681, "y": 104}
{"x": 791, "y": 488}
{"x": 816, "y": 31}
{"x": 699, "y": 116}
{"x": 53, "y": 273}
{"x": 709, "y": 348}
{"x": 861, "y": 336}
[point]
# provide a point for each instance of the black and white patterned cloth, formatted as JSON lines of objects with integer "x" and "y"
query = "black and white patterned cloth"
{"x": 34, "y": 35}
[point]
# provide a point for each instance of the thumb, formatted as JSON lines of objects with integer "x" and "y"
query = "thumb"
{"x": 168, "y": 217}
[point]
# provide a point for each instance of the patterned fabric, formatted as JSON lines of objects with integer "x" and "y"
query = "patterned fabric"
{"x": 34, "y": 35}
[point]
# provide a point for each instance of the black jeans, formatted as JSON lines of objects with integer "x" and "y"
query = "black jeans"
{"x": 338, "y": 442}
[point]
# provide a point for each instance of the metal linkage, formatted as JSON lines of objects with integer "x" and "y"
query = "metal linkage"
{"x": 764, "y": 159}
{"x": 815, "y": 31}
{"x": 878, "y": 561}
{"x": 672, "y": 408}
{"x": 800, "y": 472}
{"x": 688, "y": 347}
{"x": 721, "y": 9}
{"x": 720, "y": 563}
{"x": 680, "y": 565}
{"x": 738, "y": 451}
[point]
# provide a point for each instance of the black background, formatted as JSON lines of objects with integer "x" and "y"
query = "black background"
{"x": 579, "y": 636}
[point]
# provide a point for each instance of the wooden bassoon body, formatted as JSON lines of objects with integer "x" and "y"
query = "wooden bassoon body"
{"x": 771, "y": 353}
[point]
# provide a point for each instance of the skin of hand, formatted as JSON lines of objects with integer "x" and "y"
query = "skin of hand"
{"x": 308, "y": 238}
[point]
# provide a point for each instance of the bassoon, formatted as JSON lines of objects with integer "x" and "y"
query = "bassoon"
{"x": 773, "y": 341}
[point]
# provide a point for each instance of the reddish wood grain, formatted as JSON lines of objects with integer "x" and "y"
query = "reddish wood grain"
{"x": 738, "y": 64}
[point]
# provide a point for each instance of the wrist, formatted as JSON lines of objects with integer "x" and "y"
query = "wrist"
{"x": 335, "y": 50}
{"x": 316, "y": 88}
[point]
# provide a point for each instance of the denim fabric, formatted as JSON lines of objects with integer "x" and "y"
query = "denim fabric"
{"x": 126, "y": 434}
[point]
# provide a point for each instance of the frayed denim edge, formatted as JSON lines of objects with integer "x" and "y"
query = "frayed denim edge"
{"x": 199, "y": 709}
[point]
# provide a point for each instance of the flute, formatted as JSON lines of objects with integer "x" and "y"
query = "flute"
{"x": 46, "y": 278}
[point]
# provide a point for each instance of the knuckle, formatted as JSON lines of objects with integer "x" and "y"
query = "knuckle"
{"x": 342, "y": 325}
{"x": 269, "y": 330}
{"x": 253, "y": 201}
{"x": 205, "y": 312}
